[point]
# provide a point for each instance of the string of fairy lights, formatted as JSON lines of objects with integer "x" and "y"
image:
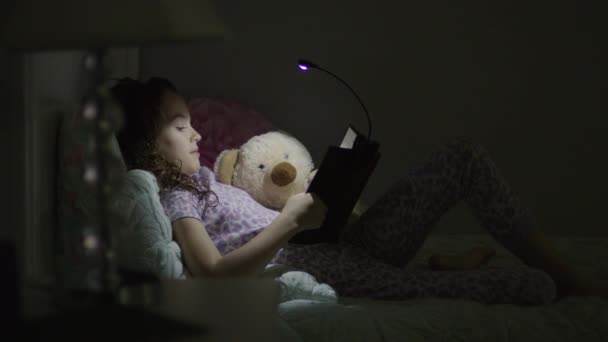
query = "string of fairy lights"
{"x": 101, "y": 170}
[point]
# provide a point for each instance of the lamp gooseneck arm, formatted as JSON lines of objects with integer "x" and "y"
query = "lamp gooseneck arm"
{"x": 369, "y": 121}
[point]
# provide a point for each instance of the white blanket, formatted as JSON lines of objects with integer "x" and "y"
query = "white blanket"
{"x": 359, "y": 319}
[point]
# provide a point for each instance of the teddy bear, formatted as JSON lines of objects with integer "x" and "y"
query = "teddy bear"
{"x": 270, "y": 167}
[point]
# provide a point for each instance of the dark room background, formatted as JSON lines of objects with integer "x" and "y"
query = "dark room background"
{"x": 525, "y": 79}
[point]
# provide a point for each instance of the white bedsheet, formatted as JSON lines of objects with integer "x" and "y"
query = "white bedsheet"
{"x": 571, "y": 319}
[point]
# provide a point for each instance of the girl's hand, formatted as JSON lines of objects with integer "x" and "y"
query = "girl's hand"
{"x": 305, "y": 211}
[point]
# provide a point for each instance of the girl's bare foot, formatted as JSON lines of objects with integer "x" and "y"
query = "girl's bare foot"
{"x": 470, "y": 259}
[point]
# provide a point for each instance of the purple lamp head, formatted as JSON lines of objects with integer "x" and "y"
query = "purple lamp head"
{"x": 305, "y": 65}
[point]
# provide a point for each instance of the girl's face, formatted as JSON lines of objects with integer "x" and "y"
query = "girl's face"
{"x": 177, "y": 141}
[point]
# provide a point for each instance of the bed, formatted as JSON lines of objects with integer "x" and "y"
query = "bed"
{"x": 352, "y": 319}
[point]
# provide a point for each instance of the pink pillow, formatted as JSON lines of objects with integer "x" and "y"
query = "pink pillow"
{"x": 224, "y": 125}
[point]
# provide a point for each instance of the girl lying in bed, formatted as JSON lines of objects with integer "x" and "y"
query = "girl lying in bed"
{"x": 222, "y": 231}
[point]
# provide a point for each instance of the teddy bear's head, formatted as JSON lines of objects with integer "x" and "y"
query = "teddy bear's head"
{"x": 270, "y": 167}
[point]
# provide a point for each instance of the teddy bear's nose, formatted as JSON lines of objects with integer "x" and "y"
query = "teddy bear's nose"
{"x": 283, "y": 173}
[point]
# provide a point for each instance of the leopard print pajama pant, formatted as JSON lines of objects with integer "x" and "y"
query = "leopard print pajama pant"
{"x": 372, "y": 254}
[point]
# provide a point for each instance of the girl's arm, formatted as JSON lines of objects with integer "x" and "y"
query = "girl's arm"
{"x": 301, "y": 212}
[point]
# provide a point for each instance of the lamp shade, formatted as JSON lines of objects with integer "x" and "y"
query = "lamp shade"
{"x": 73, "y": 24}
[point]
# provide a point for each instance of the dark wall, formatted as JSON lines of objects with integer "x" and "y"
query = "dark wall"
{"x": 12, "y": 130}
{"x": 525, "y": 79}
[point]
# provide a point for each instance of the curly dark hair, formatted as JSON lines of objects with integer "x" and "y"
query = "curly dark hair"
{"x": 143, "y": 122}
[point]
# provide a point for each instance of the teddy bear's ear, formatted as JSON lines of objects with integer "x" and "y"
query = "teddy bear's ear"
{"x": 224, "y": 166}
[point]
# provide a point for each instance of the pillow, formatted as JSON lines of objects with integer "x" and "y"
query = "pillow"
{"x": 224, "y": 125}
{"x": 143, "y": 234}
